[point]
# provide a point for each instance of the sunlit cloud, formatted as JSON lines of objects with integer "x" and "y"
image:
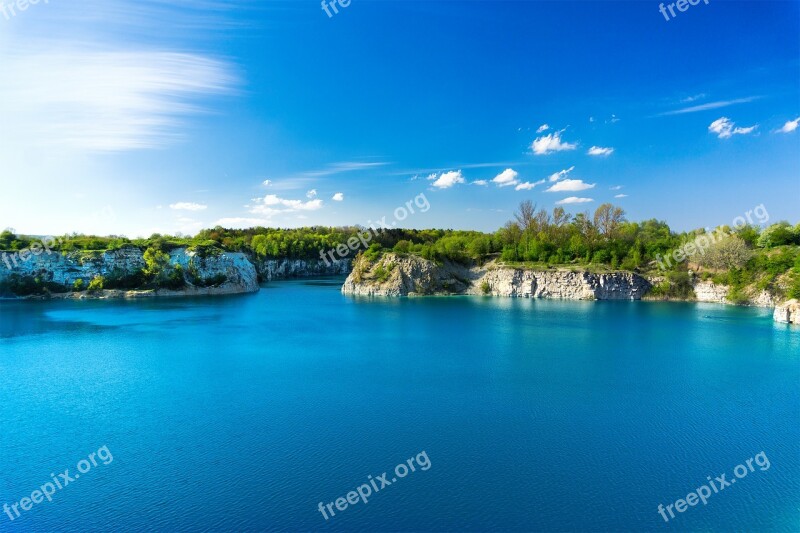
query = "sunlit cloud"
{"x": 187, "y": 206}
{"x": 550, "y": 143}
{"x": 570, "y": 186}
{"x": 574, "y": 200}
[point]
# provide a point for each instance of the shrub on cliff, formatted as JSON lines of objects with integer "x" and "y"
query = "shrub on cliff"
{"x": 97, "y": 284}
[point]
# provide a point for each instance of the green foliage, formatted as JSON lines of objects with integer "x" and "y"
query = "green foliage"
{"x": 16, "y": 285}
{"x": 381, "y": 274}
{"x": 485, "y": 287}
{"x": 155, "y": 262}
{"x": 402, "y": 247}
{"x": 779, "y": 234}
{"x": 373, "y": 253}
{"x": 97, "y": 284}
{"x": 77, "y": 286}
{"x": 676, "y": 285}
{"x": 794, "y": 288}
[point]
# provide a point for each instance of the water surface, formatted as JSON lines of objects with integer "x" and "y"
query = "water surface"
{"x": 245, "y": 412}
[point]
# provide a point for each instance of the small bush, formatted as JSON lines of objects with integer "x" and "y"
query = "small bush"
{"x": 381, "y": 274}
{"x": 96, "y": 284}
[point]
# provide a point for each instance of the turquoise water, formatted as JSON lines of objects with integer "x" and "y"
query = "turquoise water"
{"x": 246, "y": 412}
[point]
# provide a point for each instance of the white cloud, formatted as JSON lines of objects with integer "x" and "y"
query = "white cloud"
{"x": 725, "y": 128}
{"x": 345, "y": 166}
{"x": 551, "y": 143}
{"x": 267, "y": 183}
{"x": 598, "y": 150}
{"x": 338, "y": 197}
{"x": 710, "y": 105}
{"x": 272, "y": 204}
{"x": 543, "y": 128}
{"x": 482, "y": 183}
{"x": 104, "y": 101}
{"x": 527, "y": 186}
{"x": 447, "y": 179}
{"x": 615, "y": 188}
{"x": 570, "y": 186}
{"x": 240, "y": 223}
{"x": 312, "y": 193}
{"x": 561, "y": 174}
{"x": 621, "y": 196}
{"x": 790, "y": 126}
{"x": 506, "y": 178}
{"x": 187, "y": 206}
{"x": 690, "y": 99}
{"x": 574, "y": 200}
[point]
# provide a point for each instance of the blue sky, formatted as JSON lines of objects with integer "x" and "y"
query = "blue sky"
{"x": 134, "y": 117}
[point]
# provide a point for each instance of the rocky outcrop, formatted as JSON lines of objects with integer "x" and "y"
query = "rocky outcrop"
{"x": 233, "y": 271}
{"x": 788, "y": 312}
{"x": 272, "y": 269}
{"x": 394, "y": 275}
{"x": 708, "y": 291}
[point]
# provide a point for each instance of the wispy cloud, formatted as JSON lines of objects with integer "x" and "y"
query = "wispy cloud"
{"x": 561, "y": 174}
{"x": 600, "y": 151}
{"x": 187, "y": 206}
{"x": 101, "y": 101}
{"x": 345, "y": 166}
{"x": 527, "y": 186}
{"x": 693, "y": 98}
{"x": 726, "y": 128}
{"x": 419, "y": 173}
{"x": 709, "y": 105}
{"x": 620, "y": 196}
{"x": 574, "y": 200}
{"x": 570, "y": 186}
{"x": 790, "y": 126}
{"x": 272, "y": 205}
{"x": 338, "y": 197}
{"x": 241, "y": 222}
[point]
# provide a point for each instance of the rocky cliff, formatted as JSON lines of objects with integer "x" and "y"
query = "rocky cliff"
{"x": 788, "y": 312}
{"x": 708, "y": 291}
{"x": 394, "y": 275}
{"x": 233, "y": 272}
{"x": 272, "y": 269}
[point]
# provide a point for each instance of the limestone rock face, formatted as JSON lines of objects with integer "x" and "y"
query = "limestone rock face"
{"x": 66, "y": 268}
{"x": 708, "y": 291}
{"x": 272, "y": 269}
{"x": 788, "y": 312}
{"x": 395, "y": 275}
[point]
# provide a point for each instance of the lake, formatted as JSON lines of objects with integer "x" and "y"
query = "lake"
{"x": 246, "y": 412}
